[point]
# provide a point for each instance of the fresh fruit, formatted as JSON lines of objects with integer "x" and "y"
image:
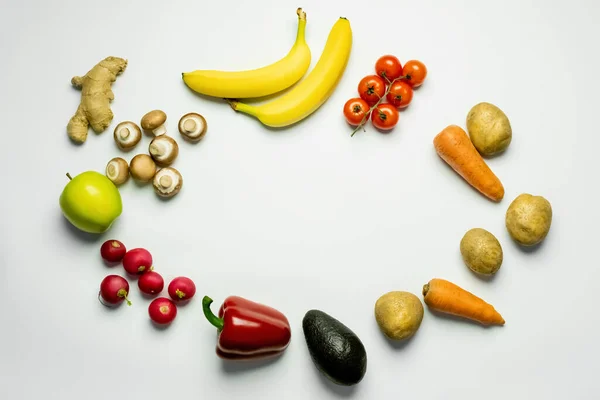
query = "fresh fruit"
{"x": 335, "y": 349}
{"x": 91, "y": 202}
{"x": 489, "y": 129}
{"x": 400, "y": 94}
{"x": 182, "y": 288}
{"x": 356, "y": 110}
{"x": 398, "y": 314}
{"x": 162, "y": 311}
{"x": 385, "y": 116}
{"x": 528, "y": 219}
{"x": 388, "y": 67}
{"x": 112, "y": 250}
{"x": 257, "y": 82}
{"x": 151, "y": 283}
{"x": 371, "y": 88}
{"x": 113, "y": 291}
{"x": 137, "y": 261}
{"x": 313, "y": 91}
{"x": 415, "y": 72}
{"x": 481, "y": 251}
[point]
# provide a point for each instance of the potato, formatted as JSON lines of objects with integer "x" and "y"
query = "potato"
{"x": 489, "y": 129}
{"x": 528, "y": 219}
{"x": 481, "y": 251}
{"x": 399, "y": 314}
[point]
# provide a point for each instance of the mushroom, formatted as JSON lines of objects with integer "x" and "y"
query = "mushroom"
{"x": 127, "y": 135}
{"x": 117, "y": 171}
{"x": 164, "y": 150}
{"x": 154, "y": 121}
{"x": 192, "y": 126}
{"x": 167, "y": 182}
{"x": 142, "y": 168}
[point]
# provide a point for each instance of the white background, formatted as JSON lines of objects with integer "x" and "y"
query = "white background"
{"x": 306, "y": 217}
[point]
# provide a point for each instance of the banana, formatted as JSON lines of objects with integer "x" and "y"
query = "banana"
{"x": 309, "y": 94}
{"x": 258, "y": 82}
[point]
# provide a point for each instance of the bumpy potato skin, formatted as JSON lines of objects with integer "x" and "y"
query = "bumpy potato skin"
{"x": 489, "y": 129}
{"x": 399, "y": 314}
{"x": 528, "y": 219}
{"x": 481, "y": 251}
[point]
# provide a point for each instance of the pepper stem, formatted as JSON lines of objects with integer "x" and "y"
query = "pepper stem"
{"x": 212, "y": 318}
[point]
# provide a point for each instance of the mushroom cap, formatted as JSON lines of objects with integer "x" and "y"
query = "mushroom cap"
{"x": 142, "y": 168}
{"x": 153, "y": 119}
{"x": 117, "y": 170}
{"x": 164, "y": 150}
{"x": 192, "y": 126}
{"x": 127, "y": 135}
{"x": 167, "y": 182}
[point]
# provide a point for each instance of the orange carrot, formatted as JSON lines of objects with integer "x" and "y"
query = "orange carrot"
{"x": 456, "y": 149}
{"x": 446, "y": 297}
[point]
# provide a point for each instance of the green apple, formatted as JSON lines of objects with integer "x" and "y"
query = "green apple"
{"x": 91, "y": 202}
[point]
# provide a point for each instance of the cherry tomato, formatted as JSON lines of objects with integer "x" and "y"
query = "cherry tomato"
{"x": 355, "y": 110}
{"x": 371, "y": 88}
{"x": 388, "y": 66}
{"x": 400, "y": 94}
{"x": 415, "y": 72}
{"x": 385, "y": 117}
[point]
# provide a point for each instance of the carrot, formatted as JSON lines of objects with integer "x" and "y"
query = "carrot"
{"x": 454, "y": 147}
{"x": 446, "y": 297}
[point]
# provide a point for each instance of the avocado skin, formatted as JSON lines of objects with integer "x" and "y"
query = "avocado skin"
{"x": 335, "y": 350}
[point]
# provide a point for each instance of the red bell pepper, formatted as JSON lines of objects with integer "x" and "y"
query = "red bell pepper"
{"x": 248, "y": 330}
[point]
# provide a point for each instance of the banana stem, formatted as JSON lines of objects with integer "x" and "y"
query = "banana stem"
{"x": 300, "y": 36}
{"x": 241, "y": 107}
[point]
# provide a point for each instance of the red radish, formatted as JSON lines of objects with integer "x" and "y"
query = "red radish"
{"x": 137, "y": 261}
{"x": 151, "y": 283}
{"x": 113, "y": 290}
{"x": 162, "y": 310}
{"x": 113, "y": 250}
{"x": 182, "y": 288}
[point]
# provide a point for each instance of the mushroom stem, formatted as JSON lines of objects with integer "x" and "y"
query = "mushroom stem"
{"x": 124, "y": 133}
{"x": 165, "y": 181}
{"x": 189, "y": 125}
{"x": 161, "y": 130}
{"x": 156, "y": 150}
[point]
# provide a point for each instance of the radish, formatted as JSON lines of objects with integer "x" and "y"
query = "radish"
{"x": 162, "y": 310}
{"x": 182, "y": 288}
{"x": 113, "y": 250}
{"x": 113, "y": 290}
{"x": 151, "y": 283}
{"x": 137, "y": 261}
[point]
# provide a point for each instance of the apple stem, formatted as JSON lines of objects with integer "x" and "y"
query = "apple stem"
{"x": 69, "y": 176}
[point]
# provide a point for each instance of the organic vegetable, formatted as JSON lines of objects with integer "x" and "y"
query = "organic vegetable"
{"x": 113, "y": 250}
{"x": 355, "y": 110}
{"x": 117, "y": 170}
{"x": 113, "y": 291}
{"x": 192, "y": 126}
{"x": 528, "y": 219}
{"x": 399, "y": 314}
{"x": 335, "y": 349}
{"x": 388, "y": 67}
{"x": 137, "y": 261}
{"x": 489, "y": 129}
{"x": 127, "y": 135}
{"x": 154, "y": 121}
{"x": 455, "y": 148}
{"x": 182, "y": 288}
{"x": 257, "y": 82}
{"x": 415, "y": 72}
{"x": 311, "y": 92}
{"x": 371, "y": 88}
{"x": 162, "y": 311}
{"x": 142, "y": 168}
{"x": 481, "y": 251}
{"x": 151, "y": 283}
{"x": 91, "y": 202}
{"x": 248, "y": 330}
{"x": 443, "y": 296}
{"x": 96, "y": 94}
{"x": 385, "y": 117}
{"x": 400, "y": 94}
{"x": 167, "y": 182}
{"x": 164, "y": 150}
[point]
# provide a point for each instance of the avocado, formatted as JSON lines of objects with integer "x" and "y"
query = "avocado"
{"x": 335, "y": 350}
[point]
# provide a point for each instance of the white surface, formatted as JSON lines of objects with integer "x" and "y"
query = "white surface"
{"x": 304, "y": 218}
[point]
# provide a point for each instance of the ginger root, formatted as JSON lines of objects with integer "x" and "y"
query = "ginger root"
{"x": 96, "y": 94}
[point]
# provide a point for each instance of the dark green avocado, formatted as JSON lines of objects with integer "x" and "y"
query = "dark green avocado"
{"x": 335, "y": 350}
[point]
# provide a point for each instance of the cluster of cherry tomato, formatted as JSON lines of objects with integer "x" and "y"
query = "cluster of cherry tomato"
{"x": 392, "y": 82}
